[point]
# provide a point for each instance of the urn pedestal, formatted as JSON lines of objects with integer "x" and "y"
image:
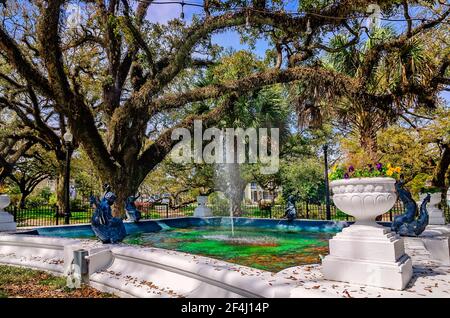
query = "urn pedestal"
{"x": 367, "y": 253}
{"x": 202, "y": 211}
{"x": 6, "y": 220}
{"x": 435, "y": 215}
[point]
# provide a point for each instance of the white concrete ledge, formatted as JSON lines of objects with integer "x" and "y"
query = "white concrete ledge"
{"x": 125, "y": 270}
{"x": 33, "y": 251}
{"x": 190, "y": 275}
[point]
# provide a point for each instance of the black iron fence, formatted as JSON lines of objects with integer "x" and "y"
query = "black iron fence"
{"x": 48, "y": 215}
{"x": 51, "y": 215}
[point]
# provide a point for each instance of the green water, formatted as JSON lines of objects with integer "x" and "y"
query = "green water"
{"x": 270, "y": 250}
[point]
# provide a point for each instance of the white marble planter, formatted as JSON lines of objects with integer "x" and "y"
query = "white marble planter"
{"x": 202, "y": 210}
{"x": 364, "y": 198}
{"x": 367, "y": 253}
{"x": 436, "y": 215}
{"x": 6, "y": 220}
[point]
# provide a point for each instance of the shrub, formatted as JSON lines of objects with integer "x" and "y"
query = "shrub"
{"x": 430, "y": 189}
{"x": 265, "y": 205}
{"x": 45, "y": 194}
{"x": 35, "y": 201}
{"x": 78, "y": 205}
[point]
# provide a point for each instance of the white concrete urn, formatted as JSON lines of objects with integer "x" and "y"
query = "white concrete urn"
{"x": 367, "y": 253}
{"x": 202, "y": 210}
{"x": 6, "y": 220}
{"x": 436, "y": 215}
{"x": 364, "y": 198}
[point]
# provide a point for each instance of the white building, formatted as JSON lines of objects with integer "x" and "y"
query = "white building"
{"x": 253, "y": 193}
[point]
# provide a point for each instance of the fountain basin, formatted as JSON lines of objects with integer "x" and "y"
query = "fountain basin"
{"x": 264, "y": 244}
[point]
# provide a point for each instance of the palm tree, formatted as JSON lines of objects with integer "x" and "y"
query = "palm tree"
{"x": 264, "y": 108}
{"x": 364, "y": 117}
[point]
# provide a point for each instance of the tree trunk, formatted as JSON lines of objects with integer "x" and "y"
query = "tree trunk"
{"x": 440, "y": 172}
{"x": 368, "y": 142}
{"x": 441, "y": 168}
{"x": 124, "y": 184}
{"x": 23, "y": 198}
{"x": 60, "y": 187}
{"x": 235, "y": 202}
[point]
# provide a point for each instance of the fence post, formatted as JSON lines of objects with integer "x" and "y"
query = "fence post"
{"x": 390, "y": 215}
{"x": 15, "y": 214}
{"x": 57, "y": 214}
{"x": 307, "y": 210}
{"x": 167, "y": 211}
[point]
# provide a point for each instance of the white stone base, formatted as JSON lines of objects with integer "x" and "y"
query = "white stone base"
{"x": 439, "y": 249}
{"x": 436, "y": 217}
{"x": 368, "y": 255}
{"x": 7, "y": 222}
{"x": 201, "y": 212}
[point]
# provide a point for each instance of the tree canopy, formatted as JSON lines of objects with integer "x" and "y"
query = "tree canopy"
{"x": 114, "y": 78}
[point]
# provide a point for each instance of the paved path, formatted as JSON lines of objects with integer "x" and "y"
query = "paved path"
{"x": 430, "y": 279}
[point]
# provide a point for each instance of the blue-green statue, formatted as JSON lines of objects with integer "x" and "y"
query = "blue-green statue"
{"x": 107, "y": 228}
{"x": 406, "y": 224}
{"x": 416, "y": 227}
{"x": 409, "y": 204}
{"x": 133, "y": 214}
{"x": 290, "y": 212}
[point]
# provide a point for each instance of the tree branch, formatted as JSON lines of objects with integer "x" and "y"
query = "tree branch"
{"x": 340, "y": 83}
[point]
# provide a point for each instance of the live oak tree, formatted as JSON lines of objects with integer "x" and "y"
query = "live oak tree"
{"x": 34, "y": 120}
{"x": 30, "y": 170}
{"x": 114, "y": 75}
{"x": 10, "y": 152}
{"x": 179, "y": 183}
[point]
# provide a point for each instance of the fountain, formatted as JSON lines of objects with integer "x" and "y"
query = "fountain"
{"x": 227, "y": 183}
{"x": 242, "y": 240}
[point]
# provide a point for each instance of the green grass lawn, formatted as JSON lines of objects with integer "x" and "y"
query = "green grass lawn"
{"x": 28, "y": 283}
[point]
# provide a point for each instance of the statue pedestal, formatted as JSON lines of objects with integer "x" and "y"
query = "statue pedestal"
{"x": 6, "y": 220}
{"x": 439, "y": 248}
{"x": 202, "y": 210}
{"x": 435, "y": 215}
{"x": 368, "y": 255}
